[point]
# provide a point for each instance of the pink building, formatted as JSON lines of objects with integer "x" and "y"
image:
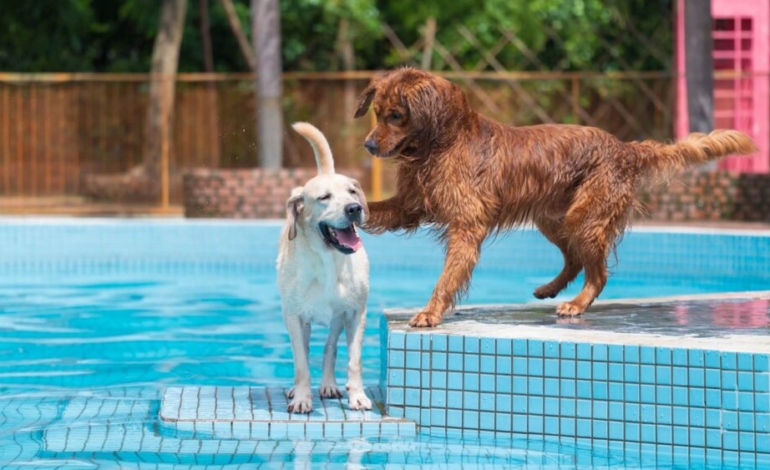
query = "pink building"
{"x": 741, "y": 35}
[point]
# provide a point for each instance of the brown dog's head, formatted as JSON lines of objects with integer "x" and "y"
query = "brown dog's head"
{"x": 416, "y": 111}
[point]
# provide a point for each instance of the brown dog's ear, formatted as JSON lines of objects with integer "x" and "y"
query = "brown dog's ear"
{"x": 365, "y": 100}
{"x": 294, "y": 207}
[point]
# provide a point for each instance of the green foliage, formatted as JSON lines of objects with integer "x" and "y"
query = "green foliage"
{"x": 117, "y": 35}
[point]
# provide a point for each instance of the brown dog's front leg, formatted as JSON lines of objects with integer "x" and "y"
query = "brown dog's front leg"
{"x": 389, "y": 215}
{"x": 463, "y": 249}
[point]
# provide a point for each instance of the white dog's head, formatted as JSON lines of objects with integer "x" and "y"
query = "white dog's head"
{"x": 329, "y": 206}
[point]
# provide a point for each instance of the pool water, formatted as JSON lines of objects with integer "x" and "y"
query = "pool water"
{"x": 113, "y": 312}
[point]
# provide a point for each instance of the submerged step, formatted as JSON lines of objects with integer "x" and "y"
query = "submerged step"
{"x": 261, "y": 413}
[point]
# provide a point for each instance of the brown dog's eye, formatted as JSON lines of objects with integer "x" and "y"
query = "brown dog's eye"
{"x": 395, "y": 115}
{"x": 325, "y": 197}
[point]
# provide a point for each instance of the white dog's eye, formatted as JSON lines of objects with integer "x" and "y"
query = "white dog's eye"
{"x": 352, "y": 191}
{"x": 325, "y": 197}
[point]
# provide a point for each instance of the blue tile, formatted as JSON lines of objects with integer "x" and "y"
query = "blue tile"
{"x": 632, "y": 432}
{"x": 504, "y": 347}
{"x": 599, "y": 390}
{"x": 535, "y": 405}
{"x": 551, "y": 349}
{"x": 762, "y": 443}
{"x": 679, "y": 357}
{"x": 438, "y": 361}
{"x": 584, "y": 408}
{"x": 713, "y": 398}
{"x": 567, "y": 426}
{"x": 615, "y": 372}
{"x": 631, "y": 372}
{"x": 615, "y": 391}
{"x": 439, "y": 342}
{"x": 695, "y": 358}
{"x": 470, "y": 419}
{"x": 713, "y": 378}
{"x": 584, "y": 369}
{"x": 412, "y": 397}
{"x": 454, "y": 418}
{"x": 535, "y": 424}
{"x": 471, "y": 363}
{"x": 681, "y": 435}
{"x": 584, "y": 351}
{"x": 663, "y": 356}
{"x": 487, "y": 421}
{"x": 426, "y": 345}
{"x": 488, "y": 346}
{"x": 551, "y": 406}
{"x": 520, "y": 347}
{"x": 396, "y": 358}
{"x": 438, "y": 417}
{"x": 535, "y": 386}
{"x": 412, "y": 413}
{"x": 600, "y": 429}
{"x": 487, "y": 382}
{"x": 396, "y": 377}
{"x": 471, "y": 345}
{"x": 535, "y": 366}
{"x": 503, "y": 422}
{"x": 696, "y": 377}
{"x": 567, "y": 406}
{"x": 633, "y": 412}
{"x": 551, "y": 387}
{"x": 713, "y": 418}
{"x": 616, "y": 411}
{"x": 456, "y": 344}
{"x": 663, "y": 375}
{"x": 584, "y": 389}
{"x": 551, "y": 425}
{"x": 663, "y": 395}
{"x": 487, "y": 402}
{"x": 647, "y": 355}
{"x": 455, "y": 362}
{"x": 746, "y": 401}
{"x": 535, "y": 348}
{"x": 679, "y": 376}
{"x": 520, "y": 385}
{"x": 600, "y": 352}
{"x": 631, "y": 392}
{"x": 647, "y": 413}
{"x": 413, "y": 341}
{"x": 454, "y": 380}
{"x": 504, "y": 365}
{"x": 648, "y": 433}
{"x": 762, "y": 382}
{"x": 762, "y": 423}
{"x": 599, "y": 371}
{"x": 568, "y": 350}
{"x": 470, "y": 400}
{"x": 503, "y": 384}
{"x": 503, "y": 403}
{"x": 664, "y": 434}
{"x": 567, "y": 368}
{"x": 729, "y": 380}
{"x": 519, "y": 423}
{"x": 745, "y": 361}
{"x": 395, "y": 396}
{"x": 713, "y": 359}
{"x": 567, "y": 387}
{"x": 664, "y": 414}
{"x": 762, "y": 402}
{"x": 397, "y": 340}
{"x": 600, "y": 410}
{"x": 681, "y": 416}
{"x": 647, "y": 393}
{"x": 551, "y": 368}
{"x": 745, "y": 381}
{"x": 583, "y": 427}
{"x": 413, "y": 359}
{"x": 697, "y": 397}
{"x": 680, "y": 396}
{"x": 520, "y": 365}
{"x": 729, "y": 360}
{"x": 519, "y": 403}
{"x": 615, "y": 353}
{"x": 761, "y": 363}
{"x": 730, "y": 440}
{"x": 647, "y": 374}
{"x": 697, "y": 437}
{"x": 746, "y": 441}
{"x": 746, "y": 421}
{"x": 729, "y": 400}
{"x": 412, "y": 378}
{"x": 438, "y": 398}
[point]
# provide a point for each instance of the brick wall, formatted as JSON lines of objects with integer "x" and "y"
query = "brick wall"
{"x": 243, "y": 194}
{"x": 714, "y": 195}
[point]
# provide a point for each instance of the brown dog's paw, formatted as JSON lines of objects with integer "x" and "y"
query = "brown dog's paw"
{"x": 425, "y": 319}
{"x": 569, "y": 309}
{"x": 546, "y": 292}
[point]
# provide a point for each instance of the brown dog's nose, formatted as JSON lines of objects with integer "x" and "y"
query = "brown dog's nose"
{"x": 371, "y": 146}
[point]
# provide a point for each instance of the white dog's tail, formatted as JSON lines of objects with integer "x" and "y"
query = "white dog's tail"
{"x": 323, "y": 153}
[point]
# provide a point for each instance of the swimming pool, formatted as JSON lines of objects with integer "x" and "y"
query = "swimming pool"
{"x": 111, "y": 312}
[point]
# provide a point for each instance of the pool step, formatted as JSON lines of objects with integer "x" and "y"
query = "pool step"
{"x": 261, "y": 413}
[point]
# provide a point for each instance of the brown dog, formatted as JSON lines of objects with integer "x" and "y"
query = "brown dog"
{"x": 468, "y": 176}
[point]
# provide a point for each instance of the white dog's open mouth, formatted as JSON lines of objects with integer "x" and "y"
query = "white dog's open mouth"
{"x": 345, "y": 240}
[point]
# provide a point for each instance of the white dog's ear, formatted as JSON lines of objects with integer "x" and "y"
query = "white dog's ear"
{"x": 361, "y": 197}
{"x": 294, "y": 207}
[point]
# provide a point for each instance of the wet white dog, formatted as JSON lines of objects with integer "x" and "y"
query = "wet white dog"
{"x": 323, "y": 275}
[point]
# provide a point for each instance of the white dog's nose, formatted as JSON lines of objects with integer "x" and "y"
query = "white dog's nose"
{"x": 353, "y": 211}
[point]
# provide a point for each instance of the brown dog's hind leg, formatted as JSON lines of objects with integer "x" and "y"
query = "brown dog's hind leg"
{"x": 552, "y": 231}
{"x": 463, "y": 249}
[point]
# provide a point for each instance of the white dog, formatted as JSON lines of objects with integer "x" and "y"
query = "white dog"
{"x": 323, "y": 275}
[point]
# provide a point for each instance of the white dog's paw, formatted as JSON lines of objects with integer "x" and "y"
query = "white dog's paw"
{"x": 357, "y": 400}
{"x": 302, "y": 401}
{"x": 330, "y": 391}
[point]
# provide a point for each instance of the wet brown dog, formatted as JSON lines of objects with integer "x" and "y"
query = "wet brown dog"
{"x": 468, "y": 176}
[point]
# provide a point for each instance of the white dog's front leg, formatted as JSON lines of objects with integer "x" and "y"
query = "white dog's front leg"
{"x": 302, "y": 398}
{"x": 354, "y": 329}
{"x": 329, "y": 387}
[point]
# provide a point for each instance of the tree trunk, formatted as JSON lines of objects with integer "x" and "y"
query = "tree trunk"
{"x": 266, "y": 21}
{"x": 699, "y": 64}
{"x": 240, "y": 36}
{"x": 165, "y": 59}
{"x": 347, "y": 54}
{"x": 212, "y": 101}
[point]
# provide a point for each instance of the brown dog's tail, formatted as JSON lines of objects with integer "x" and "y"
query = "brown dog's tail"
{"x": 661, "y": 159}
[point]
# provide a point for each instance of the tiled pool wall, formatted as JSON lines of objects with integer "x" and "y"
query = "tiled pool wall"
{"x": 691, "y": 404}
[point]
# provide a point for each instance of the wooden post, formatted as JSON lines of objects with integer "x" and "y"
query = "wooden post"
{"x": 266, "y": 21}
{"x": 430, "y": 36}
{"x": 699, "y": 65}
{"x": 376, "y": 166}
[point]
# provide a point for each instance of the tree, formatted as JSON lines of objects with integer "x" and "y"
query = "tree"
{"x": 266, "y": 20}
{"x": 699, "y": 64}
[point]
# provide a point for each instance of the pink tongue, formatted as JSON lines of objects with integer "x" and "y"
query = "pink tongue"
{"x": 349, "y": 238}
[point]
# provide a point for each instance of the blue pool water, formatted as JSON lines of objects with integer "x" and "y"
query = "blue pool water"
{"x": 113, "y": 312}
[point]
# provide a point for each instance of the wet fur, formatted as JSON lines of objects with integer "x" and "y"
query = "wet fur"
{"x": 468, "y": 177}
